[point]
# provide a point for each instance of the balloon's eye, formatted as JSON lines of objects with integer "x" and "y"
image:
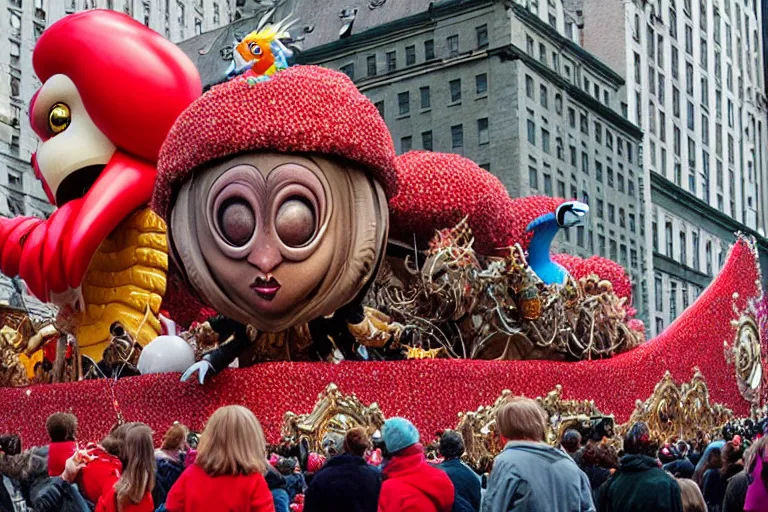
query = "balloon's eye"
{"x": 296, "y": 222}
{"x": 59, "y": 118}
{"x": 237, "y": 222}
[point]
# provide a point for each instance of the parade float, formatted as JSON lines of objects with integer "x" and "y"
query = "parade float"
{"x": 347, "y": 284}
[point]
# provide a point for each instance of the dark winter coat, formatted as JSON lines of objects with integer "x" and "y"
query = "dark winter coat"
{"x": 168, "y": 471}
{"x": 345, "y": 483}
{"x": 597, "y": 476}
{"x": 60, "y": 495}
{"x": 714, "y": 484}
{"x": 736, "y": 493}
{"x": 639, "y": 485}
{"x": 465, "y": 481}
{"x": 681, "y": 468}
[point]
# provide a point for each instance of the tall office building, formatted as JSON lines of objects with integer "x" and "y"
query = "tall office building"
{"x": 695, "y": 85}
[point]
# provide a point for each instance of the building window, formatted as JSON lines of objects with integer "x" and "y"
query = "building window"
{"x": 608, "y": 139}
{"x": 688, "y": 40}
{"x": 410, "y": 55}
{"x": 426, "y": 140}
{"x": 547, "y": 184}
{"x": 405, "y": 144}
{"x": 572, "y": 151}
{"x": 689, "y": 78}
{"x": 544, "y": 140}
{"x": 453, "y": 45}
{"x": 455, "y": 88}
{"x": 542, "y": 54}
{"x": 533, "y": 177}
{"x": 708, "y": 257}
{"x": 429, "y": 49}
{"x": 529, "y": 86}
{"x": 425, "y": 99}
{"x": 683, "y": 248}
{"x": 584, "y": 123}
{"x": 482, "y": 36}
{"x": 216, "y": 14}
{"x": 611, "y": 214}
{"x": 349, "y": 70}
{"x": 15, "y": 87}
{"x": 598, "y": 133}
{"x": 571, "y": 117}
{"x": 529, "y": 45}
{"x": 560, "y": 189}
{"x": 632, "y": 226}
{"x": 695, "y": 250}
{"x": 148, "y": 12}
{"x": 404, "y": 103}
{"x": 543, "y": 96}
{"x": 598, "y": 171}
{"x": 668, "y": 238}
{"x": 613, "y": 255}
{"x": 531, "y": 132}
{"x": 600, "y": 206}
{"x": 584, "y": 162}
{"x": 391, "y": 61}
{"x": 672, "y": 300}
{"x": 198, "y": 26}
{"x": 380, "y": 107}
{"x": 691, "y": 120}
{"x": 481, "y": 83}
{"x": 371, "y": 62}
{"x": 457, "y": 136}
{"x": 555, "y": 61}
{"x": 482, "y": 131}
{"x": 558, "y": 104}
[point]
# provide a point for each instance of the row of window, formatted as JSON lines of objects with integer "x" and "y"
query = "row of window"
{"x": 572, "y": 75}
{"x": 457, "y": 138}
{"x": 452, "y": 42}
{"x": 425, "y": 95}
{"x": 626, "y": 217}
{"x": 583, "y": 120}
{"x": 672, "y": 298}
{"x": 683, "y": 248}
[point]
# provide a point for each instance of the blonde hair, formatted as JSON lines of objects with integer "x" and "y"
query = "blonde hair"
{"x": 232, "y": 443}
{"x": 522, "y": 419}
{"x": 138, "y": 476}
{"x": 693, "y": 501}
{"x": 175, "y": 437}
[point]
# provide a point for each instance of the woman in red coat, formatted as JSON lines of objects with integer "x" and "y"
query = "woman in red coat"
{"x": 133, "y": 491}
{"x": 410, "y": 483}
{"x": 228, "y": 474}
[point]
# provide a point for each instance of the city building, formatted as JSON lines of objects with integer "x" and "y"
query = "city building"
{"x": 21, "y": 23}
{"x": 499, "y": 83}
{"x": 695, "y": 85}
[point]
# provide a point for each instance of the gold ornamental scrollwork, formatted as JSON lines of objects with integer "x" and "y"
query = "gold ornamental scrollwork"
{"x": 482, "y": 441}
{"x": 671, "y": 410}
{"x": 745, "y": 355}
{"x": 333, "y": 412}
{"x": 683, "y": 411}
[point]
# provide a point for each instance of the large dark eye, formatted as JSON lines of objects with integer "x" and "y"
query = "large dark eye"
{"x": 255, "y": 49}
{"x": 237, "y": 221}
{"x": 295, "y": 222}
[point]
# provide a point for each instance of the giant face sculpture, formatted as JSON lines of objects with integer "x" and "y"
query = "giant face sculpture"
{"x": 276, "y": 240}
{"x": 276, "y": 196}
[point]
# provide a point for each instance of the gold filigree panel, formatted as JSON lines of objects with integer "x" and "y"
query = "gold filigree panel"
{"x": 745, "y": 355}
{"x": 334, "y": 412}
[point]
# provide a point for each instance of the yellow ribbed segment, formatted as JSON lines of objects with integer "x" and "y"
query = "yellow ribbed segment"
{"x": 127, "y": 275}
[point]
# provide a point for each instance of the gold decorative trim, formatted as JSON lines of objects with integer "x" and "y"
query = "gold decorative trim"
{"x": 334, "y": 412}
{"x": 481, "y": 440}
{"x": 681, "y": 411}
{"x": 745, "y": 355}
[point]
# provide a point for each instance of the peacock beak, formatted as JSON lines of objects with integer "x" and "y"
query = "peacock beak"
{"x": 571, "y": 213}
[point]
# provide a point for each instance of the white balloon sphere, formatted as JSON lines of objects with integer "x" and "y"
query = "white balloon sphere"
{"x": 166, "y": 354}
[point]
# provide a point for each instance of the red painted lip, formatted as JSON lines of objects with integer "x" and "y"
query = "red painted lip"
{"x": 266, "y": 288}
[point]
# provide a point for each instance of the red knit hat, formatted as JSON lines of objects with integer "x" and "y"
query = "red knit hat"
{"x": 437, "y": 190}
{"x": 304, "y": 109}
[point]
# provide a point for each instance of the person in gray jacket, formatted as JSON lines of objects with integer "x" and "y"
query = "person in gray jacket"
{"x": 529, "y": 475}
